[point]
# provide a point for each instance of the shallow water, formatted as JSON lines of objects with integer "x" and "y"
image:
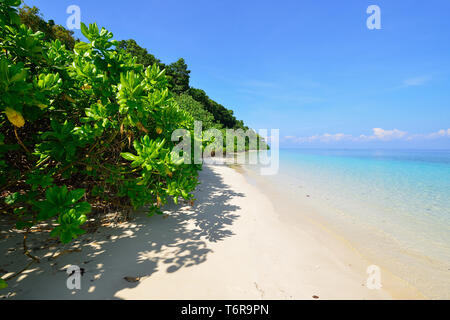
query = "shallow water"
{"x": 393, "y": 206}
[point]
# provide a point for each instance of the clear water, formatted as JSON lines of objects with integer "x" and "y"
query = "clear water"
{"x": 394, "y": 206}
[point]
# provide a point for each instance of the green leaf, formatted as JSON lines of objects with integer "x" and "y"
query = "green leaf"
{"x": 85, "y": 31}
{"x": 3, "y": 284}
{"x": 83, "y": 46}
{"x": 129, "y": 156}
{"x": 12, "y": 198}
{"x": 55, "y": 232}
{"x": 66, "y": 236}
{"x": 83, "y": 208}
{"x": 76, "y": 195}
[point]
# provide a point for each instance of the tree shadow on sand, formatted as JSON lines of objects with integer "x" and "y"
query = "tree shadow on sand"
{"x": 136, "y": 249}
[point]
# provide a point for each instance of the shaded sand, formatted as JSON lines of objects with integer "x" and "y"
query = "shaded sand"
{"x": 230, "y": 245}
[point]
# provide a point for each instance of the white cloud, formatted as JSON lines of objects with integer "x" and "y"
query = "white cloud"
{"x": 440, "y": 133}
{"x": 379, "y": 134}
{"x": 335, "y": 137}
{"x": 386, "y": 135}
{"x": 443, "y": 133}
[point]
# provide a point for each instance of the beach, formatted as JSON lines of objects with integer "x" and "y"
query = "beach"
{"x": 232, "y": 244}
{"x": 150, "y": 159}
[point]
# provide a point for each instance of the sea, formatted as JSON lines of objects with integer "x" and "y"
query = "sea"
{"x": 393, "y": 206}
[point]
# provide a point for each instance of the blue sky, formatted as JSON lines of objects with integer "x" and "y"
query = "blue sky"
{"x": 310, "y": 68}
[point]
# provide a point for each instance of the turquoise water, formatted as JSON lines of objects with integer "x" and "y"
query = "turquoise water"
{"x": 394, "y": 206}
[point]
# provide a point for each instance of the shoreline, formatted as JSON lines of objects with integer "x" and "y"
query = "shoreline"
{"x": 308, "y": 215}
{"x": 403, "y": 238}
{"x": 231, "y": 245}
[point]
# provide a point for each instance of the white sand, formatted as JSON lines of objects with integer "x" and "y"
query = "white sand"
{"x": 231, "y": 245}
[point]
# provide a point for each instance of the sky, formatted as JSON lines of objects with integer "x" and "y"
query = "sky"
{"x": 311, "y": 68}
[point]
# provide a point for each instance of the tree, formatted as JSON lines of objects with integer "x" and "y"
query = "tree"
{"x": 197, "y": 110}
{"x": 179, "y": 76}
{"x": 64, "y": 35}
{"x": 177, "y": 72}
{"x": 82, "y": 130}
{"x": 30, "y": 16}
{"x": 221, "y": 114}
{"x": 142, "y": 55}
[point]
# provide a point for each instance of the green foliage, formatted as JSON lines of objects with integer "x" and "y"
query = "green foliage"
{"x": 61, "y": 202}
{"x": 178, "y": 74}
{"x": 141, "y": 54}
{"x": 8, "y": 13}
{"x": 197, "y": 111}
{"x": 31, "y": 17}
{"x": 178, "y": 77}
{"x": 3, "y": 284}
{"x": 245, "y": 137}
{"x": 221, "y": 114}
{"x": 83, "y": 129}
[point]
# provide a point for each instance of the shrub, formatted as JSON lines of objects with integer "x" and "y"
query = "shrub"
{"x": 83, "y": 129}
{"x": 196, "y": 109}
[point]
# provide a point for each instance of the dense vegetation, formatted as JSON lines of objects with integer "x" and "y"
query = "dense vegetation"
{"x": 83, "y": 129}
{"x": 178, "y": 75}
{"x": 193, "y": 100}
{"x": 86, "y": 126}
{"x": 31, "y": 18}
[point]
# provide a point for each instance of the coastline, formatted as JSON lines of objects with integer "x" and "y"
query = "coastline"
{"x": 232, "y": 244}
{"x": 307, "y": 214}
{"x": 386, "y": 207}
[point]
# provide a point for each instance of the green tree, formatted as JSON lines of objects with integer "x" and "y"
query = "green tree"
{"x": 197, "y": 110}
{"x": 177, "y": 72}
{"x": 179, "y": 76}
{"x": 82, "y": 129}
{"x": 31, "y": 17}
{"x": 221, "y": 114}
{"x": 141, "y": 54}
